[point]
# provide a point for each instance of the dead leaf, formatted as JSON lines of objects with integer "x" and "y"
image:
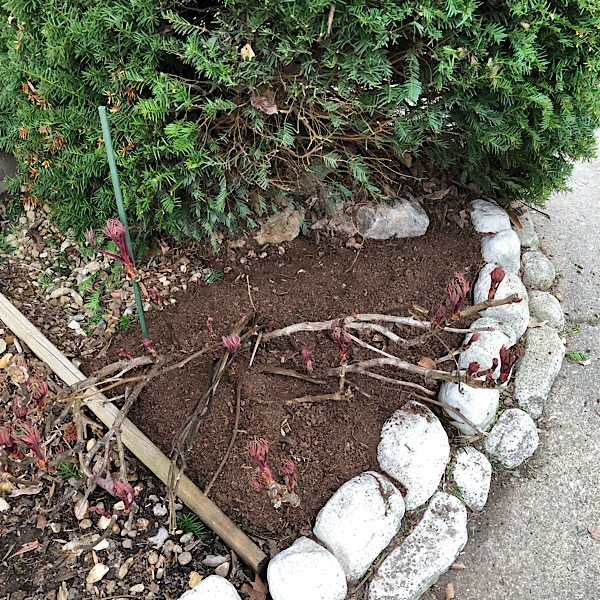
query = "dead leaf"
{"x": 514, "y": 219}
{"x": 97, "y": 573}
{"x": 82, "y": 509}
{"x": 125, "y": 567}
{"x": 427, "y": 363}
{"x": 595, "y": 532}
{"x": 4, "y": 505}
{"x": 41, "y": 522}
{"x": 26, "y": 491}
{"x": 439, "y": 194}
{"x": 450, "y": 592}
{"x": 195, "y": 579}
{"x": 256, "y": 590}
{"x": 263, "y": 103}
{"x": 63, "y": 592}
{"x": 406, "y": 159}
{"x": 214, "y": 560}
{"x": 533, "y": 324}
{"x": 272, "y": 548}
{"x": 27, "y": 548}
{"x": 247, "y": 52}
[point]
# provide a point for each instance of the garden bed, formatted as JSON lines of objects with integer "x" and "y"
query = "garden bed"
{"x": 330, "y": 441}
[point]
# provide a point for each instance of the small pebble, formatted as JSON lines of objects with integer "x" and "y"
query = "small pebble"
{"x": 111, "y": 585}
{"x": 184, "y": 558}
{"x": 159, "y": 539}
{"x": 127, "y": 544}
{"x": 153, "y": 498}
{"x": 85, "y": 524}
{"x": 153, "y": 558}
{"x": 159, "y": 573}
{"x": 142, "y": 524}
{"x": 186, "y": 537}
{"x": 136, "y": 589}
{"x": 160, "y": 510}
{"x": 168, "y": 547}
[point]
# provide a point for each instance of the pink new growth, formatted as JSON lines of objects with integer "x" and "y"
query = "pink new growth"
{"x": 258, "y": 450}
{"x": 496, "y": 277}
{"x": 31, "y": 437}
{"x": 458, "y": 289}
{"x": 124, "y": 490}
{"x": 209, "y": 324}
{"x": 38, "y": 390}
{"x": 288, "y": 470}
{"x": 508, "y": 359}
{"x": 342, "y": 339}
{"x": 19, "y": 411}
{"x": 307, "y": 360}
{"x": 115, "y": 230}
{"x": 472, "y": 370}
{"x": 148, "y": 345}
{"x": 6, "y": 439}
{"x": 232, "y": 343}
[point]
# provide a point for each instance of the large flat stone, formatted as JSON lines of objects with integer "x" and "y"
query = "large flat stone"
{"x": 411, "y": 568}
{"x": 488, "y": 217}
{"x": 359, "y": 521}
{"x": 472, "y": 473}
{"x": 479, "y": 405}
{"x": 504, "y": 249}
{"x": 543, "y": 306}
{"x": 537, "y": 369}
{"x": 538, "y": 271}
{"x": 512, "y": 318}
{"x": 404, "y": 219}
{"x": 306, "y": 570}
{"x": 527, "y": 235}
{"x": 513, "y": 439}
{"x": 414, "y": 450}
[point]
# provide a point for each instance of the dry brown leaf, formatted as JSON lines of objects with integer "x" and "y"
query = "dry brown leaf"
{"x": 406, "y": 159}
{"x": 450, "y": 592}
{"x": 595, "y": 532}
{"x": 27, "y": 548}
{"x": 26, "y": 491}
{"x": 195, "y": 579}
{"x": 458, "y": 566}
{"x": 247, "y": 52}
{"x": 427, "y": 363}
{"x": 263, "y": 103}
{"x": 533, "y": 324}
{"x": 256, "y": 590}
{"x": 41, "y": 522}
{"x": 514, "y": 219}
{"x": 439, "y": 194}
{"x": 97, "y": 573}
{"x": 63, "y": 592}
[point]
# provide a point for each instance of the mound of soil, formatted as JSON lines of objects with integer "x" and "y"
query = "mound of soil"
{"x": 330, "y": 441}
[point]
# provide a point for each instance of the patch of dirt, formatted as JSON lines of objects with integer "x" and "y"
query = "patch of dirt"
{"x": 330, "y": 441}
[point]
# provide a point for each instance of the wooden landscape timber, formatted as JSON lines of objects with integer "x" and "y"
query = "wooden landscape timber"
{"x": 137, "y": 443}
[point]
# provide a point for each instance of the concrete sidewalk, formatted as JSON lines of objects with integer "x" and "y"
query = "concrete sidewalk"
{"x": 532, "y": 542}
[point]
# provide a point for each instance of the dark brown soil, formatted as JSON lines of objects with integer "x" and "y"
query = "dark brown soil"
{"x": 330, "y": 441}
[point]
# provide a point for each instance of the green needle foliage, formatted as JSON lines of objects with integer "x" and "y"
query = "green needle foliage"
{"x": 216, "y": 108}
{"x": 190, "y": 523}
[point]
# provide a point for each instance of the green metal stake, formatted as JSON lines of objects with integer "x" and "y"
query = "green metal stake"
{"x": 121, "y": 208}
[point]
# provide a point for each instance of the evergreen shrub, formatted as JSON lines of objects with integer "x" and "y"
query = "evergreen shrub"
{"x": 216, "y": 105}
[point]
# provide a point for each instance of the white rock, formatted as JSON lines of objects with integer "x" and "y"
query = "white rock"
{"x": 543, "y": 306}
{"x": 479, "y": 405}
{"x": 527, "y": 235}
{"x": 538, "y": 271}
{"x": 63, "y": 291}
{"x": 306, "y": 570}
{"x": 537, "y": 369}
{"x": 405, "y": 219}
{"x": 4, "y": 505}
{"x": 489, "y": 323}
{"x": 212, "y": 588}
{"x": 359, "y": 521}
{"x": 428, "y": 552}
{"x": 488, "y": 217}
{"x": 160, "y": 538}
{"x": 484, "y": 350}
{"x": 159, "y": 510}
{"x": 283, "y": 226}
{"x": 472, "y": 474}
{"x": 512, "y": 318}
{"x": 97, "y": 572}
{"x": 414, "y": 450}
{"x": 513, "y": 438}
{"x": 502, "y": 248}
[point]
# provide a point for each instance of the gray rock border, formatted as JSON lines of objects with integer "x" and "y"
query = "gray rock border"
{"x": 512, "y": 439}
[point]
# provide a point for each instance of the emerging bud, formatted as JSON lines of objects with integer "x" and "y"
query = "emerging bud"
{"x": 19, "y": 411}
{"x": 508, "y": 359}
{"x": 115, "y": 230}
{"x": 458, "y": 289}
{"x": 496, "y": 277}
{"x": 31, "y": 437}
{"x": 38, "y": 390}
{"x": 472, "y": 370}
{"x": 148, "y": 345}
{"x": 209, "y": 324}
{"x": 307, "y": 360}
{"x": 124, "y": 491}
{"x": 232, "y": 343}
{"x": 288, "y": 471}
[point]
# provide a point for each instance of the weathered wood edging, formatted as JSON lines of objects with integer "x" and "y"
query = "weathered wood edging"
{"x": 136, "y": 442}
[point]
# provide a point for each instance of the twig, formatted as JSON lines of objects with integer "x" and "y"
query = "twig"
{"x": 394, "y": 381}
{"x": 238, "y": 404}
{"x": 289, "y": 373}
{"x": 319, "y": 398}
{"x": 258, "y": 339}
{"x": 250, "y": 293}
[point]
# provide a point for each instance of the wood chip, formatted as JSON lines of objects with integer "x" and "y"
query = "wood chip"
{"x": 458, "y": 566}
{"x": 96, "y": 574}
{"x": 450, "y": 592}
{"x": 195, "y": 579}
